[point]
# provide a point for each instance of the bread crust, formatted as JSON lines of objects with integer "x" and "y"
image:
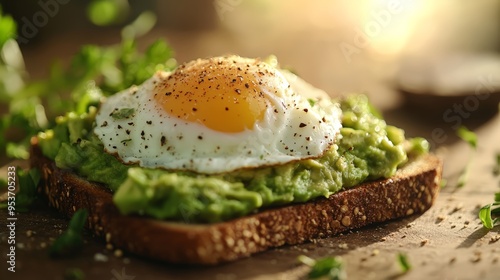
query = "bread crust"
{"x": 413, "y": 189}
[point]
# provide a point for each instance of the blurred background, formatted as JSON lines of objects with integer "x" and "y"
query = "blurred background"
{"x": 426, "y": 55}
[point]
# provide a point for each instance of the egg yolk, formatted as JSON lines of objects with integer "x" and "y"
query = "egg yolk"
{"x": 225, "y": 95}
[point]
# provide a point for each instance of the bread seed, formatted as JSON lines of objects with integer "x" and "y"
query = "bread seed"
{"x": 230, "y": 242}
{"x": 323, "y": 212}
{"x": 219, "y": 247}
{"x": 346, "y": 221}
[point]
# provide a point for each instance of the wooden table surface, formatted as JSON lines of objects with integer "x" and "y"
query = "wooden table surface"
{"x": 446, "y": 242}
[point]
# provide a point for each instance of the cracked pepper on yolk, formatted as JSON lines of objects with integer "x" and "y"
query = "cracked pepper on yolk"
{"x": 223, "y": 96}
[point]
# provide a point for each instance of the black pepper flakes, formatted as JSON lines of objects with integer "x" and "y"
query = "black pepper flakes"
{"x": 302, "y": 125}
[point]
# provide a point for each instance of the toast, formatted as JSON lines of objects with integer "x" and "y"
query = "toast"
{"x": 412, "y": 190}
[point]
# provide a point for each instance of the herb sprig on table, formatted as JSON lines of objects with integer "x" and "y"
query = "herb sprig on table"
{"x": 404, "y": 263}
{"x": 470, "y": 138}
{"x": 27, "y": 181}
{"x": 490, "y": 213}
{"x": 70, "y": 242}
{"x": 325, "y": 268}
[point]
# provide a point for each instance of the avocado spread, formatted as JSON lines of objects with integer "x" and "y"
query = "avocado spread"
{"x": 366, "y": 149}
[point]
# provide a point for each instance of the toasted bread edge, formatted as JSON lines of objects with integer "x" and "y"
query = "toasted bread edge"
{"x": 412, "y": 190}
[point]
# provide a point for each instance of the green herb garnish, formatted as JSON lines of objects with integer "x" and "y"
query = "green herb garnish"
{"x": 490, "y": 213}
{"x": 328, "y": 267}
{"x": 496, "y": 167}
{"x": 7, "y": 28}
{"x": 107, "y": 12}
{"x": 468, "y": 136}
{"x": 403, "y": 262}
{"x": 471, "y": 138}
{"x": 93, "y": 73}
{"x": 27, "y": 182}
{"x": 74, "y": 274}
{"x": 122, "y": 113}
{"x": 311, "y": 101}
{"x": 70, "y": 242}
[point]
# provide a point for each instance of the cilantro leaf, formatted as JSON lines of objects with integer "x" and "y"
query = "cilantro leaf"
{"x": 468, "y": 136}
{"x": 70, "y": 242}
{"x": 496, "y": 167}
{"x": 486, "y": 213}
{"x": 490, "y": 213}
{"x": 404, "y": 262}
{"x": 327, "y": 267}
{"x": 27, "y": 182}
{"x": 471, "y": 138}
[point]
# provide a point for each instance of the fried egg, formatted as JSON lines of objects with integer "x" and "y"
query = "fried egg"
{"x": 218, "y": 115}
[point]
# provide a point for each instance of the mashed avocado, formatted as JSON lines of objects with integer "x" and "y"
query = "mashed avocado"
{"x": 367, "y": 149}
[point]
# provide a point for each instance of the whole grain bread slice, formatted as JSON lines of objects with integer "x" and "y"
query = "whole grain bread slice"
{"x": 412, "y": 190}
